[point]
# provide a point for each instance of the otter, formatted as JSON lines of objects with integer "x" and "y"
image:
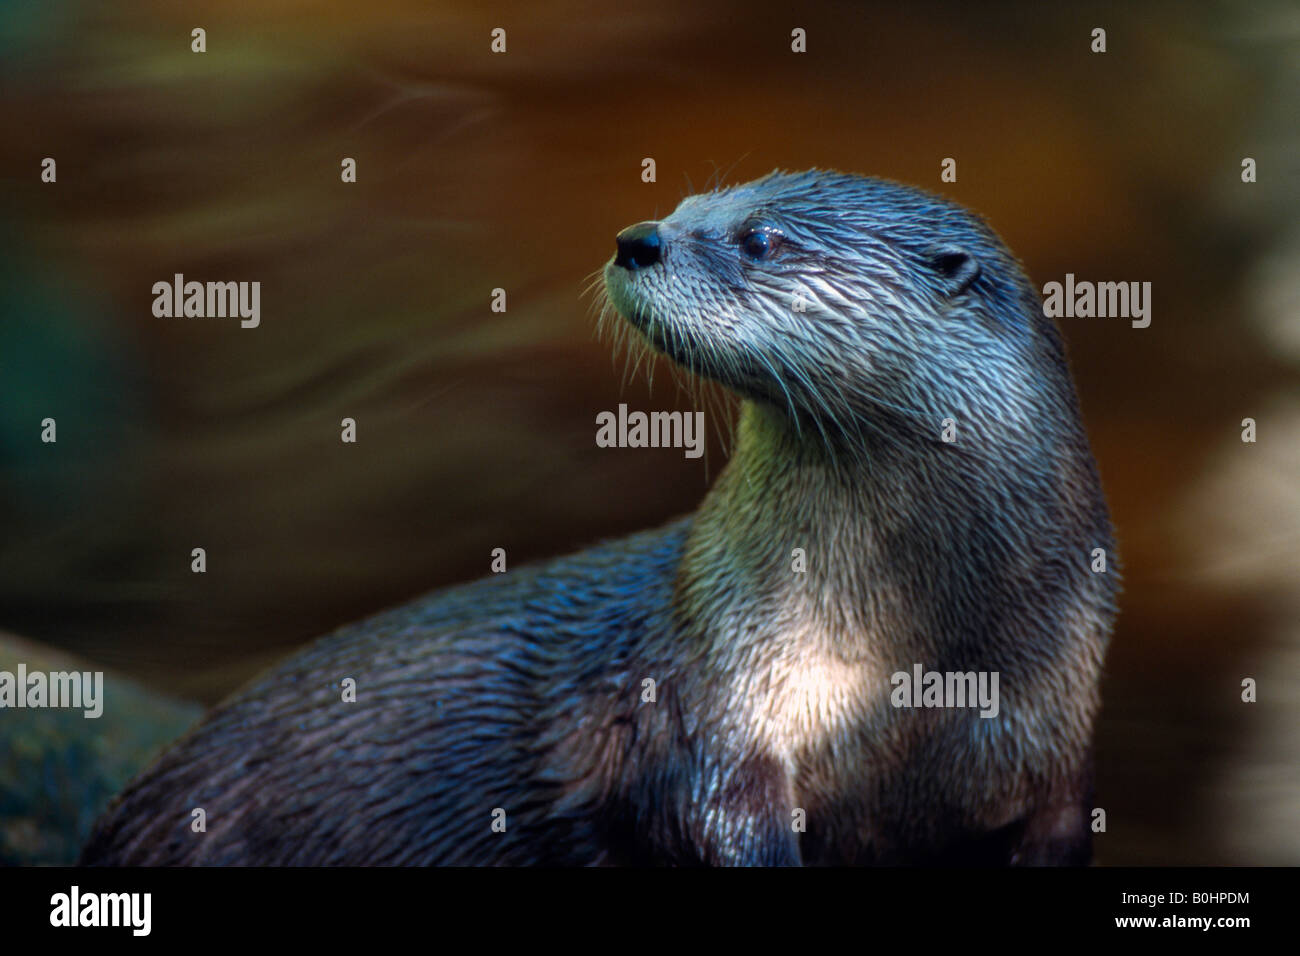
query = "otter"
{"x": 910, "y": 488}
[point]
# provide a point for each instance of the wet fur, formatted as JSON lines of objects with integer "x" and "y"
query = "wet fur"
{"x": 523, "y": 691}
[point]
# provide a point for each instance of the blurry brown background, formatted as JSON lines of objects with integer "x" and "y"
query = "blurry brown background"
{"x": 476, "y": 429}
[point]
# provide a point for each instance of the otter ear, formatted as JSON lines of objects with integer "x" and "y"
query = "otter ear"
{"x": 955, "y": 267}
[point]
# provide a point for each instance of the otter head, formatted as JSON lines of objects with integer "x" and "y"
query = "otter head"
{"x": 851, "y": 302}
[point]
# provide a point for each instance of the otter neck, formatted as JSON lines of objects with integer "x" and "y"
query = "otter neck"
{"x": 886, "y": 535}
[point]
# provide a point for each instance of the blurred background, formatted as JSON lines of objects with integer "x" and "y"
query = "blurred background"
{"x": 476, "y": 429}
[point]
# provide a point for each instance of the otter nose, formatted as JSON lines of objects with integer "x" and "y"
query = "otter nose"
{"x": 638, "y": 246}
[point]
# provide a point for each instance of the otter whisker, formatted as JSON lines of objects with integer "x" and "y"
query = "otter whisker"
{"x": 808, "y": 390}
{"x": 789, "y": 399}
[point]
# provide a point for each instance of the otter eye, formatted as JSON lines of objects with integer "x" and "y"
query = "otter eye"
{"x": 758, "y": 243}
